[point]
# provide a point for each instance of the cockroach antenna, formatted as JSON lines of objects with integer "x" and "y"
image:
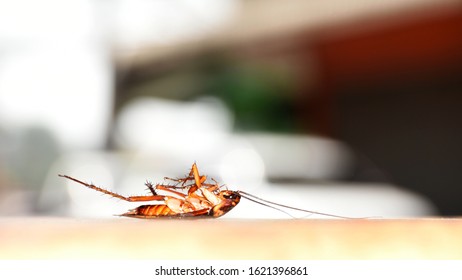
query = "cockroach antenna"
{"x": 270, "y": 204}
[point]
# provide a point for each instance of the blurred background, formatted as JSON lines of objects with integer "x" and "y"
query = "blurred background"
{"x": 346, "y": 107}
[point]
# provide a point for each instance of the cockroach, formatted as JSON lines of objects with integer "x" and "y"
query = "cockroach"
{"x": 190, "y": 197}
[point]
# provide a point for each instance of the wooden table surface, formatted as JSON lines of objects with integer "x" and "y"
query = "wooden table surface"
{"x": 124, "y": 238}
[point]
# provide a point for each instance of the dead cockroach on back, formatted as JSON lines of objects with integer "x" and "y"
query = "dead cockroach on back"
{"x": 189, "y": 197}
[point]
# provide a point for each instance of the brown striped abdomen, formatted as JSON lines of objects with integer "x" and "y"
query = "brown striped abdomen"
{"x": 154, "y": 210}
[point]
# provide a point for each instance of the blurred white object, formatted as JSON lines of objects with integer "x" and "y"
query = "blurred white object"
{"x": 55, "y": 70}
{"x": 172, "y": 128}
{"x": 301, "y": 157}
{"x": 61, "y": 196}
{"x": 142, "y": 23}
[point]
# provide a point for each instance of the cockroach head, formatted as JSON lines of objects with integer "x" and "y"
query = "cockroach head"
{"x": 229, "y": 200}
{"x": 231, "y": 195}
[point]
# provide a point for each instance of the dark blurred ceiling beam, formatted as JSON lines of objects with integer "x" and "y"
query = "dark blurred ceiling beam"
{"x": 262, "y": 20}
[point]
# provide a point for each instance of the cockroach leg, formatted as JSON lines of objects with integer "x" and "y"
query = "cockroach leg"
{"x": 210, "y": 196}
{"x": 212, "y": 187}
{"x": 150, "y": 187}
{"x": 168, "y": 189}
{"x": 179, "y": 187}
{"x": 197, "y": 178}
{"x": 146, "y": 198}
{"x": 116, "y": 195}
{"x": 193, "y": 176}
{"x": 181, "y": 181}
